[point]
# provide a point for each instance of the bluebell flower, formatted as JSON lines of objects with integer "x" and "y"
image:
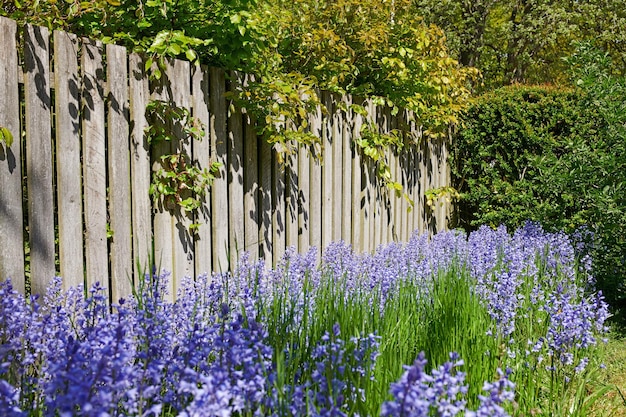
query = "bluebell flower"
{"x": 418, "y": 393}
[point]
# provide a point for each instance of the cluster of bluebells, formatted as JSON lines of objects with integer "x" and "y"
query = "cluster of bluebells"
{"x": 208, "y": 353}
{"x": 75, "y": 356}
{"x": 333, "y": 388}
{"x": 534, "y": 276}
{"x": 204, "y": 355}
{"x": 443, "y": 392}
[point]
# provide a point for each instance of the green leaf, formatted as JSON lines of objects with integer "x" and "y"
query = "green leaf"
{"x": 235, "y": 19}
{"x": 6, "y": 136}
{"x": 191, "y": 55}
{"x": 174, "y": 49}
{"x": 148, "y": 64}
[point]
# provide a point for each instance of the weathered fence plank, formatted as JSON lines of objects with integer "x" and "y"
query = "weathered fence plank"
{"x": 423, "y": 163}
{"x": 173, "y": 246}
{"x": 39, "y": 157}
{"x": 278, "y": 209}
{"x": 304, "y": 197}
{"x": 337, "y": 171}
{"x": 94, "y": 164}
{"x": 161, "y": 90}
{"x": 11, "y": 232}
{"x": 327, "y": 171}
{"x": 444, "y": 174}
{"x": 358, "y": 195}
{"x": 181, "y": 221}
{"x": 366, "y": 191}
{"x": 67, "y": 88}
{"x": 202, "y": 157}
{"x": 292, "y": 181}
{"x": 235, "y": 175}
{"x": 315, "y": 184}
{"x": 415, "y": 220}
{"x": 346, "y": 175}
{"x": 432, "y": 180}
{"x": 140, "y": 168}
{"x": 119, "y": 173}
{"x": 219, "y": 151}
{"x": 265, "y": 181}
{"x": 395, "y": 227}
{"x": 251, "y": 188}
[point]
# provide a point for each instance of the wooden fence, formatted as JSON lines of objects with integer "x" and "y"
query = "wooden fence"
{"x": 74, "y": 185}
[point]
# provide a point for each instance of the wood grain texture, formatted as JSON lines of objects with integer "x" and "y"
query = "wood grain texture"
{"x": 304, "y": 198}
{"x": 235, "y": 175}
{"x": 358, "y": 192}
{"x": 140, "y": 168}
{"x": 265, "y": 182}
{"x": 94, "y": 164}
{"x": 327, "y": 171}
{"x": 219, "y": 151}
{"x": 39, "y": 157}
{"x": 202, "y": 157}
{"x": 251, "y": 183}
{"x": 182, "y": 236}
{"x": 162, "y": 222}
{"x": 279, "y": 210}
{"x": 315, "y": 184}
{"x": 11, "y": 212}
{"x": 346, "y": 122}
{"x": 292, "y": 203}
{"x": 67, "y": 88}
{"x": 337, "y": 168}
{"x": 118, "y": 125}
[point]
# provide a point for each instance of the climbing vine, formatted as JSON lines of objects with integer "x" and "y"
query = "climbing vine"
{"x": 179, "y": 182}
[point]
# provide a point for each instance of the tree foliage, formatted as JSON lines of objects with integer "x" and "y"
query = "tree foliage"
{"x": 378, "y": 48}
{"x": 525, "y": 41}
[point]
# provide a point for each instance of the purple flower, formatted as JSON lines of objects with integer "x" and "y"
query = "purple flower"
{"x": 418, "y": 393}
{"x": 498, "y": 393}
{"x": 9, "y": 401}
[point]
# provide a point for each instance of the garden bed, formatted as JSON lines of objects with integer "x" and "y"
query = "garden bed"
{"x": 487, "y": 324}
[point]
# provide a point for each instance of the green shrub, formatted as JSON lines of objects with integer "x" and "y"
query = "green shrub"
{"x": 552, "y": 155}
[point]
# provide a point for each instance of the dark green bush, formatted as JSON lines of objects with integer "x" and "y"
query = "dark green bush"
{"x": 555, "y": 156}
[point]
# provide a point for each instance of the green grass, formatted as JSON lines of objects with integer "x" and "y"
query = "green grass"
{"x": 610, "y": 384}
